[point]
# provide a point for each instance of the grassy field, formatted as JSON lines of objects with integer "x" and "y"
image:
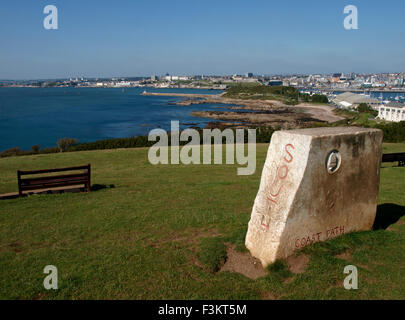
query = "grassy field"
{"x": 257, "y": 91}
{"x": 159, "y": 232}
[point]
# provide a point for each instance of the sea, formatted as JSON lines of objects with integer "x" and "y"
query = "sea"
{"x": 41, "y": 116}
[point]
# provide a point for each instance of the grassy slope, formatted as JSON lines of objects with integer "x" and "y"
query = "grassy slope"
{"x": 141, "y": 239}
{"x": 257, "y": 91}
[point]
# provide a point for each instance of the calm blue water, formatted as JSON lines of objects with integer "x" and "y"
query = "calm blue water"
{"x": 391, "y": 96}
{"x": 30, "y": 116}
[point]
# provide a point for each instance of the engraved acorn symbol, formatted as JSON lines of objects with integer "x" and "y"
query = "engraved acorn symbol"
{"x": 333, "y": 162}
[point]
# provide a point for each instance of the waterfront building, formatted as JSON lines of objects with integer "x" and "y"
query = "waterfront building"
{"x": 237, "y": 77}
{"x": 122, "y": 84}
{"x": 349, "y": 100}
{"x": 336, "y": 77}
{"x": 275, "y": 83}
{"x": 393, "y": 111}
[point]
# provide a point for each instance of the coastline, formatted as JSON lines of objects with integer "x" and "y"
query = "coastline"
{"x": 53, "y": 113}
{"x": 87, "y": 115}
{"x": 256, "y": 112}
{"x": 330, "y": 90}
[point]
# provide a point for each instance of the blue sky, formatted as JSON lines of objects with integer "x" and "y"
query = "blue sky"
{"x": 141, "y": 38}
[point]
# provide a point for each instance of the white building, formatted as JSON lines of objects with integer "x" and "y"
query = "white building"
{"x": 176, "y": 78}
{"x": 349, "y": 100}
{"x": 123, "y": 84}
{"x": 393, "y": 111}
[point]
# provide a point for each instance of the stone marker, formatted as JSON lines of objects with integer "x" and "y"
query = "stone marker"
{"x": 316, "y": 184}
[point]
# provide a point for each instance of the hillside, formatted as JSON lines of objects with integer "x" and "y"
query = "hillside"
{"x": 287, "y": 95}
{"x": 160, "y": 232}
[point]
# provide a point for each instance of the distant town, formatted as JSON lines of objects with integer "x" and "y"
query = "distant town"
{"x": 344, "y": 91}
{"x": 316, "y": 82}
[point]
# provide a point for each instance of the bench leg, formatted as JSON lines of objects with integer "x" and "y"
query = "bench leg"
{"x": 88, "y": 178}
{"x": 20, "y": 194}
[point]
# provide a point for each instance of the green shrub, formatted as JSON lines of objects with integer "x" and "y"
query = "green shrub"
{"x": 365, "y": 108}
{"x": 319, "y": 98}
{"x": 10, "y": 152}
{"x": 393, "y": 132}
{"x": 133, "y": 142}
{"x": 35, "y": 149}
{"x": 65, "y": 143}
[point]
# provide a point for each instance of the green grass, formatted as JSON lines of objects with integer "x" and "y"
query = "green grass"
{"x": 257, "y": 91}
{"x": 212, "y": 253}
{"x": 160, "y": 234}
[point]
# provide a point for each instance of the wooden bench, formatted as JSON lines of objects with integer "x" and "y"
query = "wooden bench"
{"x": 393, "y": 157}
{"x": 55, "y": 182}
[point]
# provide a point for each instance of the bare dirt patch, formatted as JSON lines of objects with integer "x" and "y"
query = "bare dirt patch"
{"x": 298, "y": 264}
{"x": 395, "y": 226}
{"x": 268, "y": 296}
{"x": 320, "y": 112}
{"x": 16, "y": 246}
{"x": 243, "y": 263}
{"x": 194, "y": 261}
{"x": 362, "y": 266}
{"x": 344, "y": 256}
{"x": 269, "y": 112}
{"x": 39, "y": 296}
{"x": 288, "y": 280}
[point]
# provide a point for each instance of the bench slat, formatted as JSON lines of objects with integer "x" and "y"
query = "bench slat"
{"x": 60, "y": 177}
{"x": 52, "y": 182}
{"x": 59, "y": 184}
{"x": 56, "y": 181}
{"x": 53, "y": 170}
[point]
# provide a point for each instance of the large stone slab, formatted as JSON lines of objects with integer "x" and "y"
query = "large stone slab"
{"x": 316, "y": 184}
